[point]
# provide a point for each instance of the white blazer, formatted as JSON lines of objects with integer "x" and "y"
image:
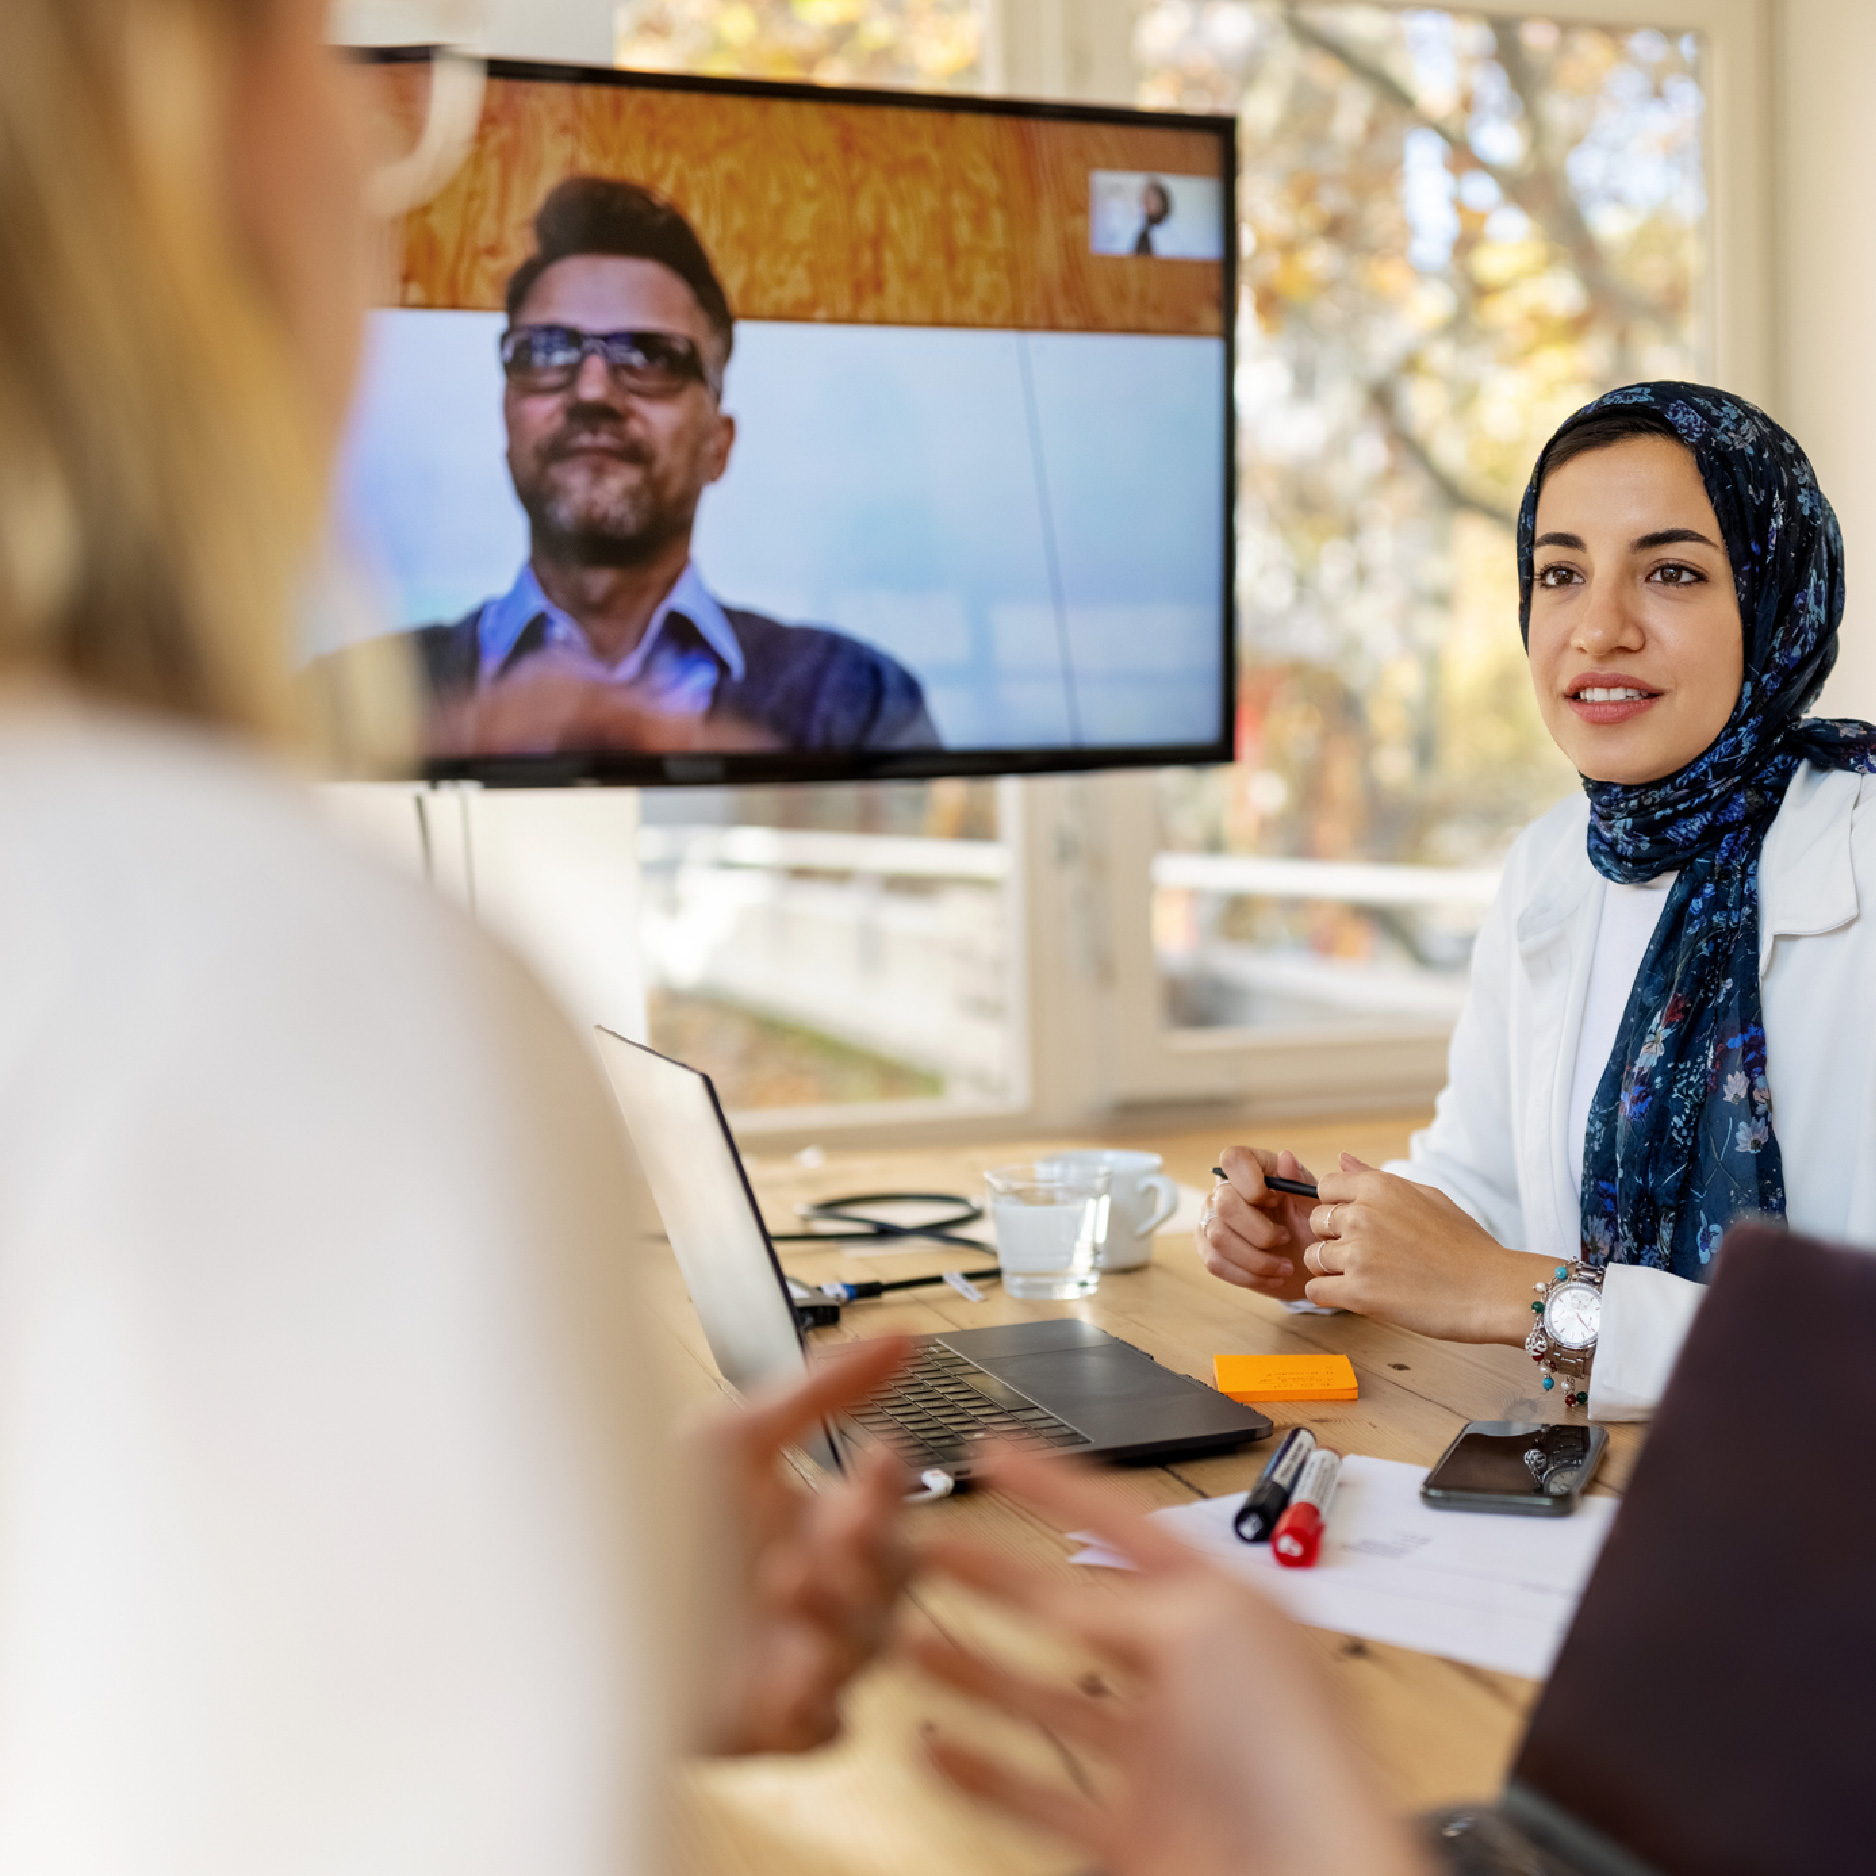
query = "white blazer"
{"x": 1497, "y": 1145}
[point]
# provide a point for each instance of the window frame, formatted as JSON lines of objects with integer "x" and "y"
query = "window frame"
{"x": 1403, "y": 1063}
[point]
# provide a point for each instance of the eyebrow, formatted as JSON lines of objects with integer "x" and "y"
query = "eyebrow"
{"x": 1662, "y": 537}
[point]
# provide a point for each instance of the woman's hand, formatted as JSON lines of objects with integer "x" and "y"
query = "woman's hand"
{"x": 1250, "y": 1235}
{"x": 818, "y": 1573}
{"x": 1405, "y": 1253}
{"x": 1195, "y": 1782}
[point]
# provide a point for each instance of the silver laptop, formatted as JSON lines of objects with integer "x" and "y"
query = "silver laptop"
{"x": 1062, "y": 1383}
{"x": 1710, "y": 1710}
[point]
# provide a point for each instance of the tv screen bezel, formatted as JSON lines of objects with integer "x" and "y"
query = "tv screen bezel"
{"x": 630, "y": 769}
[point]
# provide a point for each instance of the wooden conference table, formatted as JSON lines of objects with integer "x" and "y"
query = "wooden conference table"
{"x": 1436, "y": 1732}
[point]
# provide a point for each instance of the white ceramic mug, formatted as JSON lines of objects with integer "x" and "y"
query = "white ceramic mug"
{"x": 1140, "y": 1199}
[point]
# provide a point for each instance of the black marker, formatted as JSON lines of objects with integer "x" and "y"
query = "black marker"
{"x": 1297, "y": 1188}
{"x": 1269, "y": 1498}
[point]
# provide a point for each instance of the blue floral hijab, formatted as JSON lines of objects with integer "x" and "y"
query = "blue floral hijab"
{"x": 1680, "y": 1140}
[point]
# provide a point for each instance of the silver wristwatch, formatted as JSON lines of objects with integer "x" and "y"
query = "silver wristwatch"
{"x": 1569, "y": 1322}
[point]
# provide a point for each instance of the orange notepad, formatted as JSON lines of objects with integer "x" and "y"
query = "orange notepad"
{"x": 1252, "y": 1378}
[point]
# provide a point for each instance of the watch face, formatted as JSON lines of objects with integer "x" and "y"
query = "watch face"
{"x": 1574, "y": 1315}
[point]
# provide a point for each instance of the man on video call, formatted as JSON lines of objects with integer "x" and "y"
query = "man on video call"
{"x": 618, "y": 336}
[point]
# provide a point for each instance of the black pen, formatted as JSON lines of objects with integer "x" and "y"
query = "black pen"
{"x": 1297, "y": 1188}
{"x": 1267, "y": 1500}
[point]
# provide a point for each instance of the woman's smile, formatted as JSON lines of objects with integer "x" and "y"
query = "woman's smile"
{"x": 1603, "y": 698}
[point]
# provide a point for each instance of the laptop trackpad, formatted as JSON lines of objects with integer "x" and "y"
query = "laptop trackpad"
{"x": 1110, "y": 1372}
{"x": 1116, "y": 1395}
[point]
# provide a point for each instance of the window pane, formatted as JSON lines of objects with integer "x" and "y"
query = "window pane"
{"x": 1455, "y": 230}
{"x": 816, "y": 946}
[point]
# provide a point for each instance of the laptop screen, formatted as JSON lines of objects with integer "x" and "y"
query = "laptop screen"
{"x": 690, "y": 1163}
{"x": 1714, "y": 1705}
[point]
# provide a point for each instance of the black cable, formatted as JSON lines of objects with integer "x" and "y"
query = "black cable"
{"x": 815, "y": 1313}
{"x": 860, "y": 1292}
{"x": 846, "y": 1211}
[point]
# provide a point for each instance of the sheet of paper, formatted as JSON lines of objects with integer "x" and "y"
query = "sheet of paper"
{"x": 1489, "y": 1589}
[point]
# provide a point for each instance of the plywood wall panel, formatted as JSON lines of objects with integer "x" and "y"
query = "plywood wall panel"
{"x": 811, "y": 210}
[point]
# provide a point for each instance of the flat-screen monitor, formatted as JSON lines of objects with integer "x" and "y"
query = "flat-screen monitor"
{"x": 720, "y": 431}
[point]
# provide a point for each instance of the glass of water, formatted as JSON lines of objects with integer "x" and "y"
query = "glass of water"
{"x": 1051, "y": 1219}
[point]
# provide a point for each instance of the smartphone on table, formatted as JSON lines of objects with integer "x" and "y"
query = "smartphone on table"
{"x": 1516, "y": 1465}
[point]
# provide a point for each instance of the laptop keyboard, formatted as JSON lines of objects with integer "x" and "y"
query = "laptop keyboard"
{"x": 942, "y": 1403}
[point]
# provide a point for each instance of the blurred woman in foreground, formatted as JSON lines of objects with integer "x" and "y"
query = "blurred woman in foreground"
{"x": 328, "y": 1465}
{"x": 332, "y": 1530}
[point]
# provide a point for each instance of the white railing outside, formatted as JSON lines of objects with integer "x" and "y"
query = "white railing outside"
{"x": 887, "y": 856}
{"x": 901, "y": 945}
{"x": 1349, "y": 882}
{"x": 1222, "y": 982}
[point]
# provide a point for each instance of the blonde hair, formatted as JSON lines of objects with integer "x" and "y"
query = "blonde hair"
{"x": 161, "y": 467}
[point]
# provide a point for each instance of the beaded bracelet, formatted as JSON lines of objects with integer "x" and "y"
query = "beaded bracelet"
{"x": 1555, "y": 1307}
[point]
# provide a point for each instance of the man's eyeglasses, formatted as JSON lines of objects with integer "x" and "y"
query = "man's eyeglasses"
{"x": 650, "y": 364}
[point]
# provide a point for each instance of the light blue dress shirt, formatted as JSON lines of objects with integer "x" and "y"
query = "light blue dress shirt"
{"x": 676, "y": 677}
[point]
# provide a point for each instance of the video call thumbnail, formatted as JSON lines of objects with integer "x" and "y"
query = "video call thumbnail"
{"x": 717, "y": 420}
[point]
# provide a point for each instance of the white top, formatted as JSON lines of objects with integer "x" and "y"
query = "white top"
{"x": 1626, "y": 923}
{"x": 317, "y": 1501}
{"x": 1500, "y": 1140}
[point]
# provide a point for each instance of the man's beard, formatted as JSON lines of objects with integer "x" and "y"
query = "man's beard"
{"x": 596, "y": 522}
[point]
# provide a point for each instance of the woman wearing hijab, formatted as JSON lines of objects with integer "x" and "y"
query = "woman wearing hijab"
{"x": 1673, "y": 998}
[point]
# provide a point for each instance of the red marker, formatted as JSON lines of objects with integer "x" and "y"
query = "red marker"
{"x": 1297, "y": 1540}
